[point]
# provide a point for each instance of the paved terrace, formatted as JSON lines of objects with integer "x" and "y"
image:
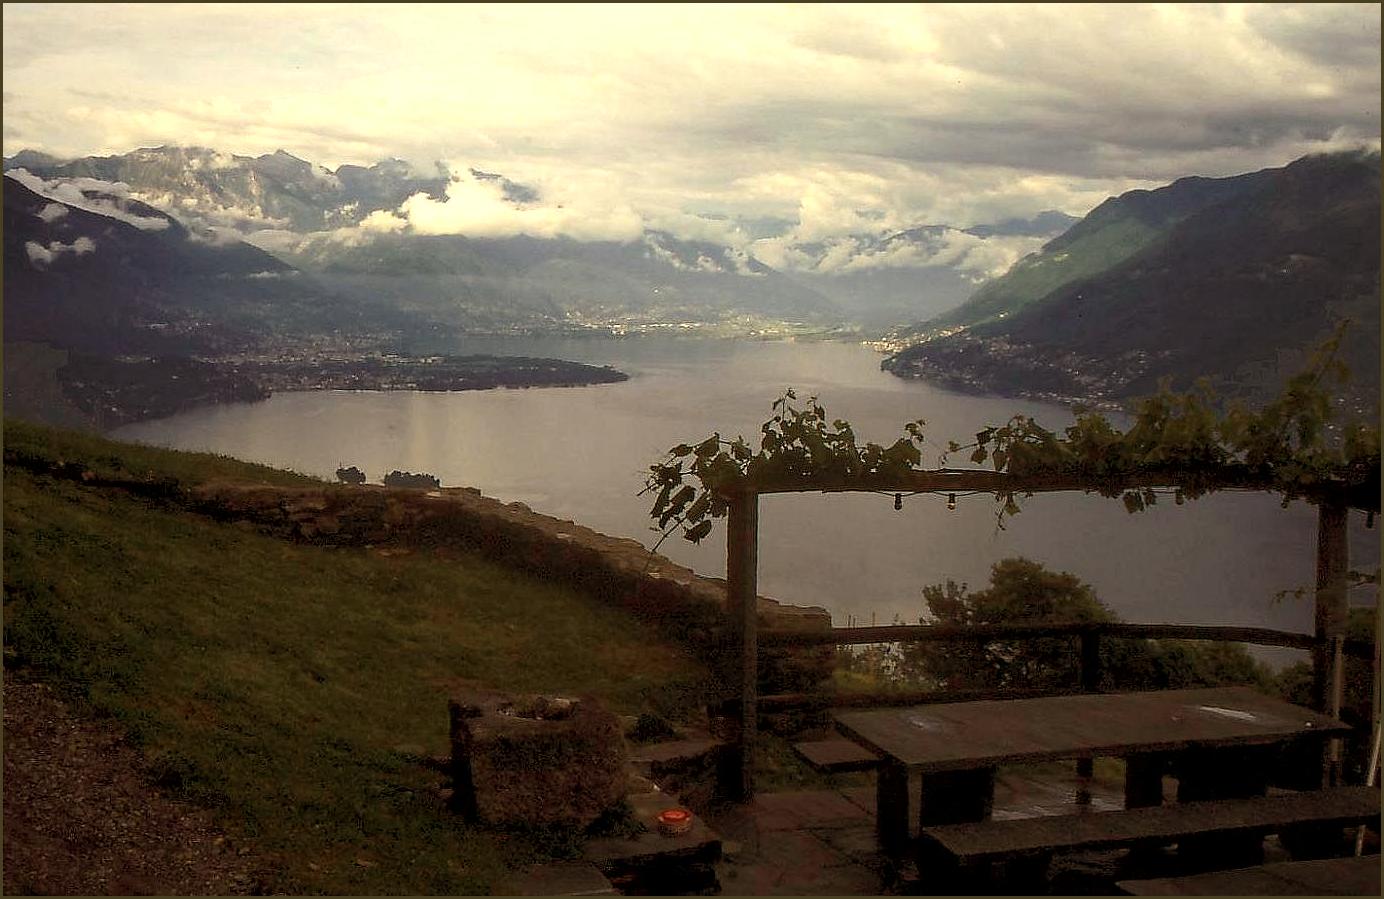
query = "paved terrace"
{"x": 822, "y": 842}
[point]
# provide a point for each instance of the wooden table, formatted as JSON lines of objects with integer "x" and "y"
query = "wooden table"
{"x": 1220, "y": 735}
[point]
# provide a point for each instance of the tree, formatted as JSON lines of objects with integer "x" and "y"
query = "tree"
{"x": 1294, "y": 683}
{"x": 352, "y": 475}
{"x": 1022, "y": 591}
{"x": 398, "y": 478}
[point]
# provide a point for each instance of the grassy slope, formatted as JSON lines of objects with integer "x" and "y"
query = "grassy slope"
{"x": 31, "y": 385}
{"x": 293, "y": 687}
{"x": 1036, "y": 276}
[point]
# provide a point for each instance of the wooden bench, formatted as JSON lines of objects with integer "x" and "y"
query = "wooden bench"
{"x": 1320, "y": 877}
{"x": 836, "y": 756}
{"x": 950, "y": 851}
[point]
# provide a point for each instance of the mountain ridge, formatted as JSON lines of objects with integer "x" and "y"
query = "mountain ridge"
{"x": 283, "y": 204}
{"x": 1244, "y": 276}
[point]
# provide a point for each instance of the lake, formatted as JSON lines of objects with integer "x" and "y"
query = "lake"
{"x": 581, "y": 452}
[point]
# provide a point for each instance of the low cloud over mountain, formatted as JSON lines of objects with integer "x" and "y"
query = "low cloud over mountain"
{"x": 876, "y": 276}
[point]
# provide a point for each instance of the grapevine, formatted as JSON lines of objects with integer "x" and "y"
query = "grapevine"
{"x": 1291, "y": 445}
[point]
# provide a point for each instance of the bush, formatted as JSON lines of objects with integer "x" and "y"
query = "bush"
{"x": 350, "y": 475}
{"x": 1294, "y": 684}
{"x": 398, "y": 478}
{"x": 1025, "y": 592}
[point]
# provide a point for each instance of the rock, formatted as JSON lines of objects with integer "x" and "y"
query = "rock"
{"x": 565, "y": 878}
{"x": 535, "y": 759}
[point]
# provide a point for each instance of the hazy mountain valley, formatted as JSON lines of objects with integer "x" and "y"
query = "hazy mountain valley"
{"x": 189, "y": 253}
{"x": 1232, "y": 279}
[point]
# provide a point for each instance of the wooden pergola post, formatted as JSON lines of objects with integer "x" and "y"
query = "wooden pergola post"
{"x": 1333, "y": 565}
{"x": 1332, "y": 612}
{"x": 742, "y": 608}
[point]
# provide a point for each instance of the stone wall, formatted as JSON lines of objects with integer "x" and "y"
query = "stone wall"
{"x": 682, "y": 605}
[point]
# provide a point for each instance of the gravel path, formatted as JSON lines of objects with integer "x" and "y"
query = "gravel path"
{"x": 82, "y": 818}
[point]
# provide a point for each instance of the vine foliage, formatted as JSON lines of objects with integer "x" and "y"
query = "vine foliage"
{"x": 1292, "y": 445}
{"x": 797, "y": 442}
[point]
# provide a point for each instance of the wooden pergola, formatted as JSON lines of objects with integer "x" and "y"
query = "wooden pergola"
{"x": 1334, "y": 500}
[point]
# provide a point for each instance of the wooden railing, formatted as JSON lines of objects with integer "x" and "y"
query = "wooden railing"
{"x": 1327, "y": 644}
{"x": 1090, "y": 635}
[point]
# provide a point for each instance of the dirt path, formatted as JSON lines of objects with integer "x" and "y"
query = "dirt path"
{"x": 82, "y": 818}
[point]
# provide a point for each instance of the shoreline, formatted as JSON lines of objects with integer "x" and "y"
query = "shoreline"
{"x": 103, "y": 394}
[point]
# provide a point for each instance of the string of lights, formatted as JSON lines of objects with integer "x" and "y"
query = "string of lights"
{"x": 950, "y": 495}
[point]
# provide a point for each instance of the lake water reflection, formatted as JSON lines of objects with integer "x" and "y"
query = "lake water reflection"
{"x": 579, "y": 453}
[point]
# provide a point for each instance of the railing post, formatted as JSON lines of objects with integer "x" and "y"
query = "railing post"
{"x": 1333, "y": 564}
{"x": 742, "y": 574}
{"x": 1332, "y": 610}
{"x": 1090, "y": 683}
{"x": 1091, "y": 671}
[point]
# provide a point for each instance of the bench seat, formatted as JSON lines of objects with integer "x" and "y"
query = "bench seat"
{"x": 836, "y": 756}
{"x": 957, "y": 846}
{"x": 1324, "y": 877}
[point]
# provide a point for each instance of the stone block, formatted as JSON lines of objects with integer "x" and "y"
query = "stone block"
{"x": 565, "y": 879}
{"x": 526, "y": 760}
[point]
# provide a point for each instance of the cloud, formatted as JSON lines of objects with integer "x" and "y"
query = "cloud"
{"x": 688, "y": 226}
{"x": 382, "y": 221}
{"x": 923, "y": 113}
{"x": 74, "y": 192}
{"x": 726, "y": 260}
{"x": 39, "y": 255}
{"x": 205, "y": 212}
{"x": 1325, "y": 39}
{"x": 216, "y": 236}
{"x": 52, "y": 212}
{"x": 42, "y": 257}
{"x": 979, "y": 258}
{"x": 984, "y": 258}
{"x": 782, "y": 254}
{"x": 278, "y": 240}
{"x": 478, "y": 208}
{"x": 215, "y": 161}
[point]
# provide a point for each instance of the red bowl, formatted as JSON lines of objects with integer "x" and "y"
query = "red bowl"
{"x": 674, "y": 821}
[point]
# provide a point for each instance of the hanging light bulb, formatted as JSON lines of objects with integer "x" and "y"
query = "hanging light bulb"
{"x": 951, "y": 502}
{"x": 898, "y": 502}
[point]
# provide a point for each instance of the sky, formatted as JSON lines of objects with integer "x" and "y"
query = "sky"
{"x": 821, "y": 119}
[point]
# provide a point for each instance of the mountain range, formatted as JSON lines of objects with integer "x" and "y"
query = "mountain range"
{"x": 177, "y": 251}
{"x": 104, "y": 274}
{"x": 880, "y": 280}
{"x": 344, "y": 227}
{"x": 1230, "y": 278}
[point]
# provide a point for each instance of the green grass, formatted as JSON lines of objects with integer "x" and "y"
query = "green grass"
{"x": 1031, "y": 280}
{"x": 27, "y": 443}
{"x": 292, "y": 688}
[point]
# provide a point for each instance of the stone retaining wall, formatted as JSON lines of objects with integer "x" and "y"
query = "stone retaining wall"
{"x": 681, "y": 604}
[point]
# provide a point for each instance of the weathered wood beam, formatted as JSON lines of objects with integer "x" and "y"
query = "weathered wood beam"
{"x": 1332, "y": 608}
{"x": 742, "y": 591}
{"x": 946, "y": 480}
{"x": 929, "y": 633}
{"x": 783, "y": 702}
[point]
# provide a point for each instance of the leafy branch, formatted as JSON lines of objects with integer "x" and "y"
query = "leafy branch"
{"x": 1288, "y": 443}
{"x": 1354, "y": 578}
{"x": 1291, "y": 446}
{"x": 797, "y": 442}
